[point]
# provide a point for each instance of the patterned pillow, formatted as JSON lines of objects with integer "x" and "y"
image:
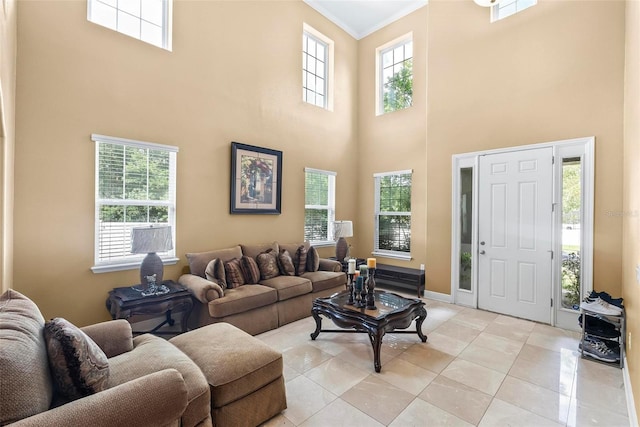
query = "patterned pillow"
{"x": 313, "y": 259}
{"x": 285, "y": 263}
{"x": 233, "y": 272}
{"x": 300, "y": 260}
{"x": 79, "y": 367}
{"x": 215, "y": 272}
{"x": 268, "y": 265}
{"x": 250, "y": 269}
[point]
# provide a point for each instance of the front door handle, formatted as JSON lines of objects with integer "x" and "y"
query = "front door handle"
{"x": 481, "y": 252}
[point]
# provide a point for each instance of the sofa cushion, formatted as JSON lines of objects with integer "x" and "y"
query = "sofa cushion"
{"x": 233, "y": 272}
{"x": 254, "y": 250}
{"x": 250, "y": 270}
{"x": 78, "y": 365}
{"x": 215, "y": 272}
{"x": 285, "y": 263}
{"x": 268, "y": 264}
{"x": 313, "y": 259}
{"x": 288, "y": 286}
{"x": 242, "y": 299}
{"x": 323, "y": 280}
{"x": 198, "y": 260}
{"x": 25, "y": 381}
{"x": 300, "y": 260}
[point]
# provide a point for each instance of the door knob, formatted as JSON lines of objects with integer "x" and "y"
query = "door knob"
{"x": 482, "y": 243}
{"x": 481, "y": 252}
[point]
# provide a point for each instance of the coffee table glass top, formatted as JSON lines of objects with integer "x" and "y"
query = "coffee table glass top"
{"x": 386, "y": 303}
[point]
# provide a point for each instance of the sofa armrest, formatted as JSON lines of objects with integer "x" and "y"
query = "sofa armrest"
{"x": 113, "y": 337}
{"x": 330, "y": 265}
{"x": 203, "y": 289}
{"x": 157, "y": 399}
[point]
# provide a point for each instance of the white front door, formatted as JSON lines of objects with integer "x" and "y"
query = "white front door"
{"x": 514, "y": 233}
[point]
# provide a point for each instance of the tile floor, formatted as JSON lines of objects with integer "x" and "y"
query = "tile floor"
{"x": 476, "y": 368}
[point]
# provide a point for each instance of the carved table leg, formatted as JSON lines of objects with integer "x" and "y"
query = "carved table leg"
{"x": 419, "y": 320}
{"x": 318, "y": 320}
{"x": 376, "y": 343}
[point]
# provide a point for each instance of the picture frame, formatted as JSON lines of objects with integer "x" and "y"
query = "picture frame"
{"x": 256, "y": 180}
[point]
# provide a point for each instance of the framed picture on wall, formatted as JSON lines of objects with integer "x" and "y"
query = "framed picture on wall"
{"x": 256, "y": 179}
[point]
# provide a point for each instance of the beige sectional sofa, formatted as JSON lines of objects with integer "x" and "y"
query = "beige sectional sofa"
{"x": 268, "y": 304}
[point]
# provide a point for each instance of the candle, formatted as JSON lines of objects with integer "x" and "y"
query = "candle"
{"x": 363, "y": 270}
{"x": 359, "y": 284}
{"x": 352, "y": 266}
{"x": 356, "y": 274}
{"x": 371, "y": 262}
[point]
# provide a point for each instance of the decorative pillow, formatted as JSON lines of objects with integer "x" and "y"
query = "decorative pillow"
{"x": 313, "y": 259}
{"x": 233, "y": 272}
{"x": 300, "y": 260}
{"x": 250, "y": 269}
{"x": 79, "y": 367}
{"x": 268, "y": 265}
{"x": 215, "y": 272}
{"x": 285, "y": 263}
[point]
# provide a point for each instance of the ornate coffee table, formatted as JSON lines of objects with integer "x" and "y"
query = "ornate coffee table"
{"x": 392, "y": 312}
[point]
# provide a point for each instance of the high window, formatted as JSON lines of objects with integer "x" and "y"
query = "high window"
{"x": 319, "y": 205}
{"x": 146, "y": 20}
{"x": 507, "y": 8}
{"x": 392, "y": 236}
{"x": 317, "y": 54}
{"x": 135, "y": 187}
{"x": 395, "y": 75}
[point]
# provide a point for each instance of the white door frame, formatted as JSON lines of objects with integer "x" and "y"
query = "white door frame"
{"x": 578, "y": 147}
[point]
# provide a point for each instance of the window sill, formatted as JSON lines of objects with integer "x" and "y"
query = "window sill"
{"x": 402, "y": 256}
{"x": 323, "y": 243}
{"x": 132, "y": 265}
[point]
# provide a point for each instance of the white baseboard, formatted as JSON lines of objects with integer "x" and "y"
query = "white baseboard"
{"x": 438, "y": 296}
{"x": 631, "y": 407}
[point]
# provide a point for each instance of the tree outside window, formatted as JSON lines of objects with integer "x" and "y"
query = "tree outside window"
{"x": 396, "y": 76}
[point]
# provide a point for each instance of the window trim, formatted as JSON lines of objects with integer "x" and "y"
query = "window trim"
{"x": 167, "y": 24}
{"x": 329, "y": 69}
{"x": 376, "y": 213}
{"x": 331, "y": 206}
{"x": 495, "y": 10}
{"x": 132, "y": 262}
{"x": 408, "y": 37}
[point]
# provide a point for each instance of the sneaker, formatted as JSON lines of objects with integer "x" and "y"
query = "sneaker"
{"x": 606, "y": 297}
{"x": 601, "y": 307}
{"x": 598, "y": 350}
{"x": 612, "y": 345}
{"x": 600, "y": 327}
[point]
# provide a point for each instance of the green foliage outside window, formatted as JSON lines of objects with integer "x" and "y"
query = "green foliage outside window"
{"x": 394, "y": 219}
{"x": 398, "y": 89}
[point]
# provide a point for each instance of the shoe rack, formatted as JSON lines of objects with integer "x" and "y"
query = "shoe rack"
{"x": 617, "y": 321}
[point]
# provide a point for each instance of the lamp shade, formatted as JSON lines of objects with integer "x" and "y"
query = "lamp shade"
{"x": 486, "y": 3}
{"x": 343, "y": 229}
{"x": 146, "y": 240}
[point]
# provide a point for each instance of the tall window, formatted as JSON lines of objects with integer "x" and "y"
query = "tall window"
{"x": 146, "y": 20}
{"x": 319, "y": 205}
{"x": 135, "y": 186}
{"x": 392, "y": 235}
{"x": 317, "y": 53}
{"x": 507, "y": 8}
{"x": 395, "y": 75}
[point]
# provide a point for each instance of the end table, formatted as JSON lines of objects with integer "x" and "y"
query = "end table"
{"x": 126, "y": 302}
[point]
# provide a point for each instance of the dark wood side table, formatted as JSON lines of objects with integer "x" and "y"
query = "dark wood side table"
{"x": 126, "y": 302}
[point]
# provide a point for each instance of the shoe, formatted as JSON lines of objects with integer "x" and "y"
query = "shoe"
{"x": 601, "y": 307}
{"x": 606, "y": 297}
{"x": 598, "y": 350}
{"x": 600, "y": 327}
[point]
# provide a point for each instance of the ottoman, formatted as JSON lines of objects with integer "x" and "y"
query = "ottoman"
{"x": 244, "y": 374}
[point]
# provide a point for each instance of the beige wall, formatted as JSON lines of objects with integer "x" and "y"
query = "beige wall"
{"x": 552, "y": 72}
{"x": 234, "y": 75}
{"x": 8, "y": 41}
{"x": 392, "y": 141}
{"x": 631, "y": 195}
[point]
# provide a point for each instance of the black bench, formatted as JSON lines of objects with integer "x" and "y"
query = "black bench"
{"x": 400, "y": 277}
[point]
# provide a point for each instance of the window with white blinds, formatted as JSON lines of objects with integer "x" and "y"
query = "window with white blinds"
{"x": 392, "y": 234}
{"x": 319, "y": 205}
{"x": 135, "y": 187}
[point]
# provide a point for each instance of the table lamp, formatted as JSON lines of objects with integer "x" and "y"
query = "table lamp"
{"x": 342, "y": 229}
{"x": 150, "y": 240}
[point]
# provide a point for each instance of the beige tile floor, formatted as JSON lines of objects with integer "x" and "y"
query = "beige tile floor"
{"x": 476, "y": 368}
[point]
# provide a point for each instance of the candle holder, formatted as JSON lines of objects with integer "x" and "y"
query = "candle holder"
{"x": 363, "y": 296}
{"x": 371, "y": 285}
{"x": 350, "y": 288}
{"x": 358, "y": 293}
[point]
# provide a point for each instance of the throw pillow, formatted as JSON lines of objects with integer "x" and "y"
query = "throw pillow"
{"x": 250, "y": 269}
{"x": 215, "y": 272}
{"x": 268, "y": 265}
{"x": 233, "y": 272}
{"x": 285, "y": 263}
{"x": 300, "y": 260}
{"x": 313, "y": 259}
{"x": 78, "y": 365}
